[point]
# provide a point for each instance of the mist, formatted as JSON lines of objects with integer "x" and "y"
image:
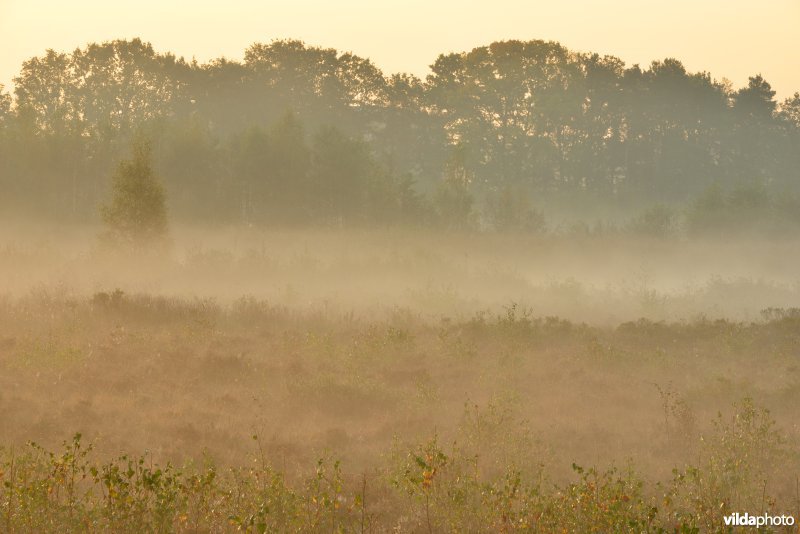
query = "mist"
{"x": 539, "y": 290}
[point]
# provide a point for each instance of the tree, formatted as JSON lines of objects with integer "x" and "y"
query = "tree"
{"x": 288, "y": 164}
{"x": 137, "y": 215}
{"x": 757, "y": 99}
{"x": 755, "y": 137}
{"x": 658, "y": 221}
{"x": 533, "y": 117}
{"x": 453, "y": 201}
{"x": 340, "y": 175}
{"x": 5, "y": 105}
{"x": 509, "y": 209}
{"x": 45, "y": 94}
{"x": 272, "y": 168}
{"x": 790, "y": 110}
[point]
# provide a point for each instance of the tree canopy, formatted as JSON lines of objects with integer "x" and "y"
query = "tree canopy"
{"x": 299, "y": 133}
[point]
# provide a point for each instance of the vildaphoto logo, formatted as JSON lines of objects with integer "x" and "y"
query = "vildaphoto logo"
{"x": 764, "y": 520}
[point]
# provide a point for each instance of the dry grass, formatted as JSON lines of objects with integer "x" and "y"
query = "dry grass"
{"x": 441, "y": 421}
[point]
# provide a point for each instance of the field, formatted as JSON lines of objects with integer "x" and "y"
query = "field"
{"x": 376, "y": 381}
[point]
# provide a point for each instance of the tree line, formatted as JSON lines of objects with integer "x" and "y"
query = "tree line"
{"x": 297, "y": 134}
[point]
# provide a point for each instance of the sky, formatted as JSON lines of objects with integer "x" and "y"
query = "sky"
{"x": 731, "y": 39}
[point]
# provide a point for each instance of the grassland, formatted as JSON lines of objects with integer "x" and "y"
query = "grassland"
{"x": 381, "y": 382}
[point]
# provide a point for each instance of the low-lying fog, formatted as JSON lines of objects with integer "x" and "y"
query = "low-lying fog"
{"x": 600, "y": 280}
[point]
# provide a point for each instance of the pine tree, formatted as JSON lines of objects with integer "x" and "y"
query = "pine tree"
{"x": 137, "y": 215}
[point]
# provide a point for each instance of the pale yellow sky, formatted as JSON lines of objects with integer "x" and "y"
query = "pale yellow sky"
{"x": 729, "y": 38}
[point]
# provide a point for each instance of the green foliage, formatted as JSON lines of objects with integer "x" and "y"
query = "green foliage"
{"x": 540, "y": 121}
{"x": 749, "y": 209}
{"x": 333, "y": 181}
{"x": 137, "y": 215}
{"x": 5, "y": 106}
{"x": 510, "y": 210}
{"x": 453, "y": 200}
{"x": 602, "y": 501}
{"x": 423, "y": 489}
{"x": 341, "y": 172}
{"x": 740, "y": 468}
{"x": 273, "y": 167}
{"x": 659, "y": 221}
{"x": 488, "y": 471}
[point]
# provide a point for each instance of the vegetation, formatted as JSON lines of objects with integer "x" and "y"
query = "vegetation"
{"x": 428, "y": 489}
{"x": 538, "y": 291}
{"x": 300, "y": 135}
{"x": 311, "y": 445}
{"x": 137, "y": 214}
